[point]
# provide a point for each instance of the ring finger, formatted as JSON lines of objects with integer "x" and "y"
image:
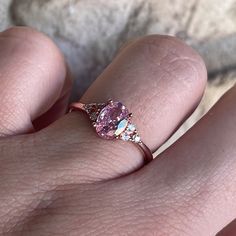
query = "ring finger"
{"x": 160, "y": 80}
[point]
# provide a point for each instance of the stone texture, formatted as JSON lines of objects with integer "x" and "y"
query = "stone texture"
{"x": 5, "y": 19}
{"x": 90, "y": 32}
{"x": 219, "y": 54}
{"x": 212, "y": 19}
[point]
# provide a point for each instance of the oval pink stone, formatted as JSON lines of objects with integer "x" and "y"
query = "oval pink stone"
{"x": 108, "y": 119}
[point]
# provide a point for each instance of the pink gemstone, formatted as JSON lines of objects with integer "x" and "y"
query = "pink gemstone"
{"x": 109, "y": 118}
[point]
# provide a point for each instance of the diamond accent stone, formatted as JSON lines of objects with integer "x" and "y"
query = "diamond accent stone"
{"x": 121, "y": 127}
{"x": 109, "y": 118}
{"x": 93, "y": 110}
{"x": 131, "y": 128}
{"x": 125, "y": 136}
{"x": 93, "y": 116}
{"x": 136, "y": 138}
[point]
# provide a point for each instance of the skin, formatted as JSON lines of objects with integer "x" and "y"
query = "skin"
{"x": 58, "y": 178}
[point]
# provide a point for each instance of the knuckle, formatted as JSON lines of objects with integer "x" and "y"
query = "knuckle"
{"x": 174, "y": 57}
{"x": 30, "y": 43}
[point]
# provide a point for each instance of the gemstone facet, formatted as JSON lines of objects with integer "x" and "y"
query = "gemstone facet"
{"x": 111, "y": 120}
{"x": 125, "y": 136}
{"x": 131, "y": 128}
{"x": 136, "y": 138}
{"x": 121, "y": 127}
{"x": 93, "y": 110}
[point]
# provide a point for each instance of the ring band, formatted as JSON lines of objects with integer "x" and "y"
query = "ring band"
{"x": 112, "y": 120}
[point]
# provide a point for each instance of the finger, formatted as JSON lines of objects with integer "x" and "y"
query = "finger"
{"x": 160, "y": 80}
{"x": 32, "y": 79}
{"x": 58, "y": 109}
{"x": 197, "y": 174}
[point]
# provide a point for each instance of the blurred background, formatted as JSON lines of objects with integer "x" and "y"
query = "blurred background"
{"x": 89, "y": 32}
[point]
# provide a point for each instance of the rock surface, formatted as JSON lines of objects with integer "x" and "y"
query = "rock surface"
{"x": 5, "y": 19}
{"x": 90, "y": 32}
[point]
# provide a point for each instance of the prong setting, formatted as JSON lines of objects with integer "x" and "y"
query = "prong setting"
{"x": 110, "y": 102}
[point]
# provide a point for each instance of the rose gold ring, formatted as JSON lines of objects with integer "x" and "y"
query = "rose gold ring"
{"x": 112, "y": 120}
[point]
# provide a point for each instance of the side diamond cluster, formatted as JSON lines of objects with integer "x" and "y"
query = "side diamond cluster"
{"x": 93, "y": 110}
{"x": 130, "y": 134}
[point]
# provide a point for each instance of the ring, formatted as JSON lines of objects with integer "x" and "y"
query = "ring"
{"x": 112, "y": 120}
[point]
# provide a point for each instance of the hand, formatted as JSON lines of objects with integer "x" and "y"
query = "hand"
{"x": 57, "y": 177}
